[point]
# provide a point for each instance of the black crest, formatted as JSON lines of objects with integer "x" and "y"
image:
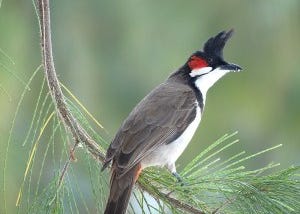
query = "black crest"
{"x": 214, "y": 46}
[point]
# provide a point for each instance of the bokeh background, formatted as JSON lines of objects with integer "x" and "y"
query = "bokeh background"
{"x": 112, "y": 53}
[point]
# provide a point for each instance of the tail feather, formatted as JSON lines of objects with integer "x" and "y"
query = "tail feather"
{"x": 120, "y": 191}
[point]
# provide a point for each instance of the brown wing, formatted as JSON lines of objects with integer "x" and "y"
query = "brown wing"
{"x": 159, "y": 118}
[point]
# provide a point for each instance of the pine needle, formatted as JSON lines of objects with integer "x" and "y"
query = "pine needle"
{"x": 10, "y": 134}
{"x": 82, "y": 106}
{"x": 31, "y": 156}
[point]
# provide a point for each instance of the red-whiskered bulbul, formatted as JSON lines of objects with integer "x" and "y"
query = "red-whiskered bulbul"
{"x": 162, "y": 124}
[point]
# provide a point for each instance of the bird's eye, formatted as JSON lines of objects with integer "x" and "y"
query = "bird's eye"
{"x": 209, "y": 60}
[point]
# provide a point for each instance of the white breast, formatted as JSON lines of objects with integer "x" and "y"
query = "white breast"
{"x": 167, "y": 154}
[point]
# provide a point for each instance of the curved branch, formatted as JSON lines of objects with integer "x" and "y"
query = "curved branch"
{"x": 78, "y": 132}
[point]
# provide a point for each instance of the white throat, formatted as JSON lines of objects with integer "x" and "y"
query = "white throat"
{"x": 204, "y": 82}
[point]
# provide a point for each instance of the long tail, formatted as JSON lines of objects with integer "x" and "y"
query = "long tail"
{"x": 120, "y": 191}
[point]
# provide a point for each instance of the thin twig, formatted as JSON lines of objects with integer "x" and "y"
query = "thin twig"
{"x": 174, "y": 201}
{"x": 78, "y": 132}
{"x": 71, "y": 158}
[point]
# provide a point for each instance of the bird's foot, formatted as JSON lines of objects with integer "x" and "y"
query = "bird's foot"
{"x": 179, "y": 179}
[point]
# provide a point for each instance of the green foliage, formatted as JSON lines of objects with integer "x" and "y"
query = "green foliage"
{"x": 227, "y": 187}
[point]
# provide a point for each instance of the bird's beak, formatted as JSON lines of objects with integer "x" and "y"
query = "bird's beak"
{"x": 231, "y": 67}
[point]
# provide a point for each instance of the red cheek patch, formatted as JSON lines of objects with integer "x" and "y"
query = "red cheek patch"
{"x": 197, "y": 62}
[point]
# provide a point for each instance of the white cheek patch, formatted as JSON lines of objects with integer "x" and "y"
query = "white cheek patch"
{"x": 200, "y": 71}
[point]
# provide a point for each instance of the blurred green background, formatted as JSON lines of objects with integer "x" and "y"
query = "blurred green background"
{"x": 112, "y": 53}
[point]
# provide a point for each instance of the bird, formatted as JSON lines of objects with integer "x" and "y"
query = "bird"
{"x": 162, "y": 124}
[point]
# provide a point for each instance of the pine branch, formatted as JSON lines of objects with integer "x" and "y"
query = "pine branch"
{"x": 178, "y": 204}
{"x": 70, "y": 122}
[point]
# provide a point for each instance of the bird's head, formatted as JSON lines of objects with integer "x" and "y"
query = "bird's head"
{"x": 210, "y": 59}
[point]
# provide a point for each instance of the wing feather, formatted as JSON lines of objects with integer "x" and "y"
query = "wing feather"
{"x": 158, "y": 119}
